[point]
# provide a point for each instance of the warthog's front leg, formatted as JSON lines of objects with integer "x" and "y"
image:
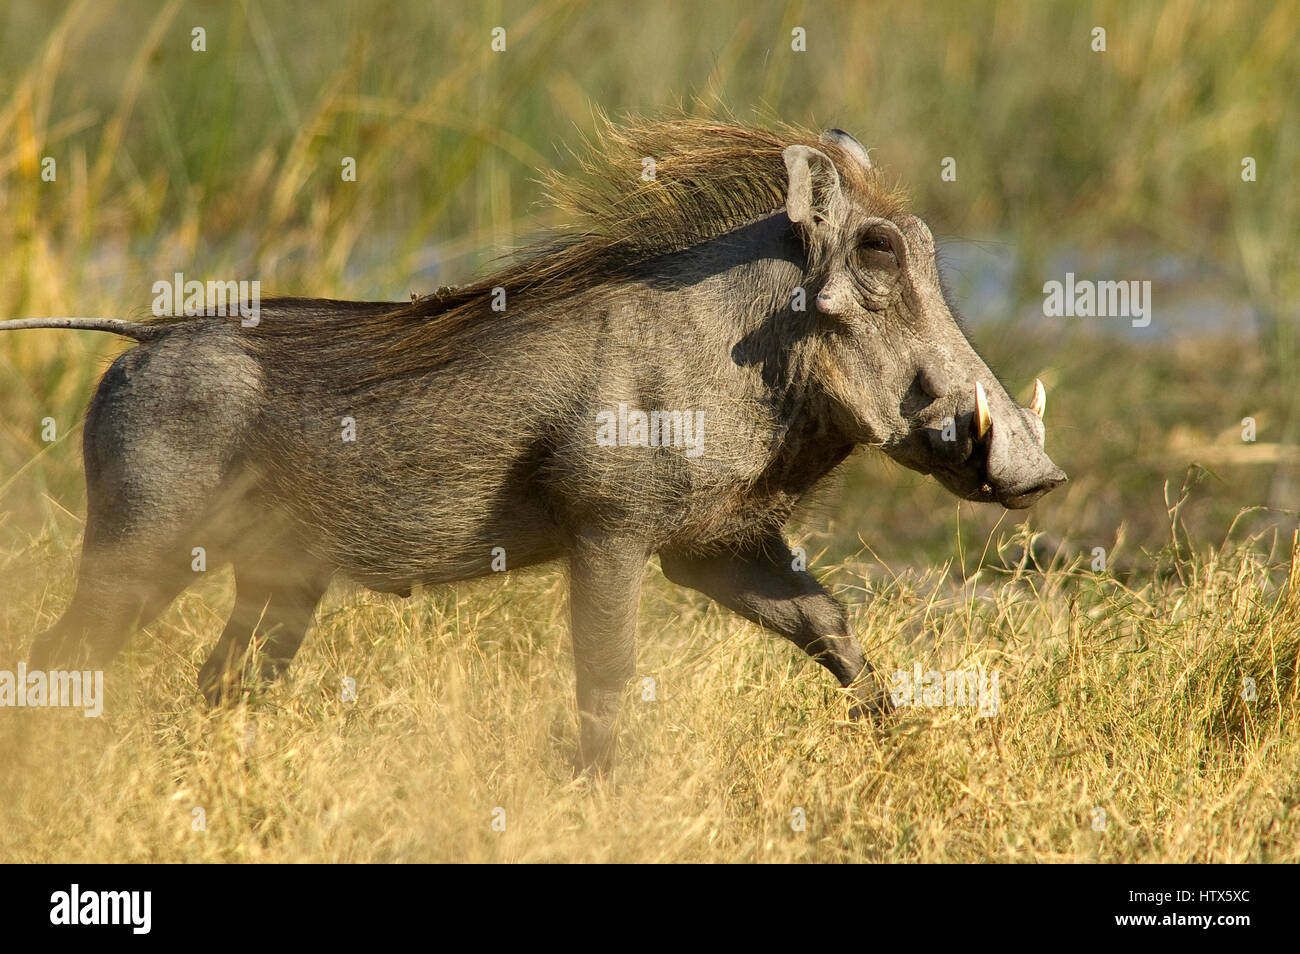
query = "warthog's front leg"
{"x": 762, "y": 585}
{"x": 604, "y": 594}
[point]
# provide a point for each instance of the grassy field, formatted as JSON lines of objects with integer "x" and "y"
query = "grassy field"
{"x": 1147, "y": 711}
{"x": 1123, "y": 732}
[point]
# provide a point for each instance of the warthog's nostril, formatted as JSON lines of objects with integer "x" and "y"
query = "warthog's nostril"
{"x": 1047, "y": 485}
{"x": 1023, "y": 497}
{"x": 1051, "y": 481}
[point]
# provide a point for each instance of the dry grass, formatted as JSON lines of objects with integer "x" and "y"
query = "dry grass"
{"x": 1128, "y": 701}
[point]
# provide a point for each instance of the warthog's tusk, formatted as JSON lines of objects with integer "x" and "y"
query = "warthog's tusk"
{"x": 983, "y": 420}
{"x": 1039, "y": 404}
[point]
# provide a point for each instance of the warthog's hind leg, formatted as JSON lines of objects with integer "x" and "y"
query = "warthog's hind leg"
{"x": 276, "y": 606}
{"x": 118, "y": 590}
{"x": 158, "y": 445}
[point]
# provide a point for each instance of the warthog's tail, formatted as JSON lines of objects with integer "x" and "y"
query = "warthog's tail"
{"x": 140, "y": 331}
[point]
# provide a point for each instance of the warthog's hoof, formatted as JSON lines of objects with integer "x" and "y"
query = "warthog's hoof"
{"x": 875, "y": 707}
{"x": 219, "y": 684}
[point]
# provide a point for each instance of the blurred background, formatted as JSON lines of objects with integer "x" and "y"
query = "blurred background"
{"x": 1122, "y": 164}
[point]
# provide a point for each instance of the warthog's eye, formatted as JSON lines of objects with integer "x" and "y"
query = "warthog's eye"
{"x": 874, "y": 251}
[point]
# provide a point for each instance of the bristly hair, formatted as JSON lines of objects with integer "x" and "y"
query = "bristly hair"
{"x": 710, "y": 177}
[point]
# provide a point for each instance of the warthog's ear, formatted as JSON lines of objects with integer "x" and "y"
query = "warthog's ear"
{"x": 813, "y": 193}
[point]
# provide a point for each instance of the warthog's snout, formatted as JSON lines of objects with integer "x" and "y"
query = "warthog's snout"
{"x": 983, "y": 446}
{"x": 1018, "y": 470}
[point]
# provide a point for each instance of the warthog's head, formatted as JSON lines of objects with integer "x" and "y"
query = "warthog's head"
{"x": 900, "y": 373}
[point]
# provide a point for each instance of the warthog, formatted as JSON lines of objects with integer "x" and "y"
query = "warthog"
{"x": 413, "y": 443}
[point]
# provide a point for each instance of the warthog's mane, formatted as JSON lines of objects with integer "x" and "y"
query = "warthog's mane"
{"x": 709, "y": 178}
